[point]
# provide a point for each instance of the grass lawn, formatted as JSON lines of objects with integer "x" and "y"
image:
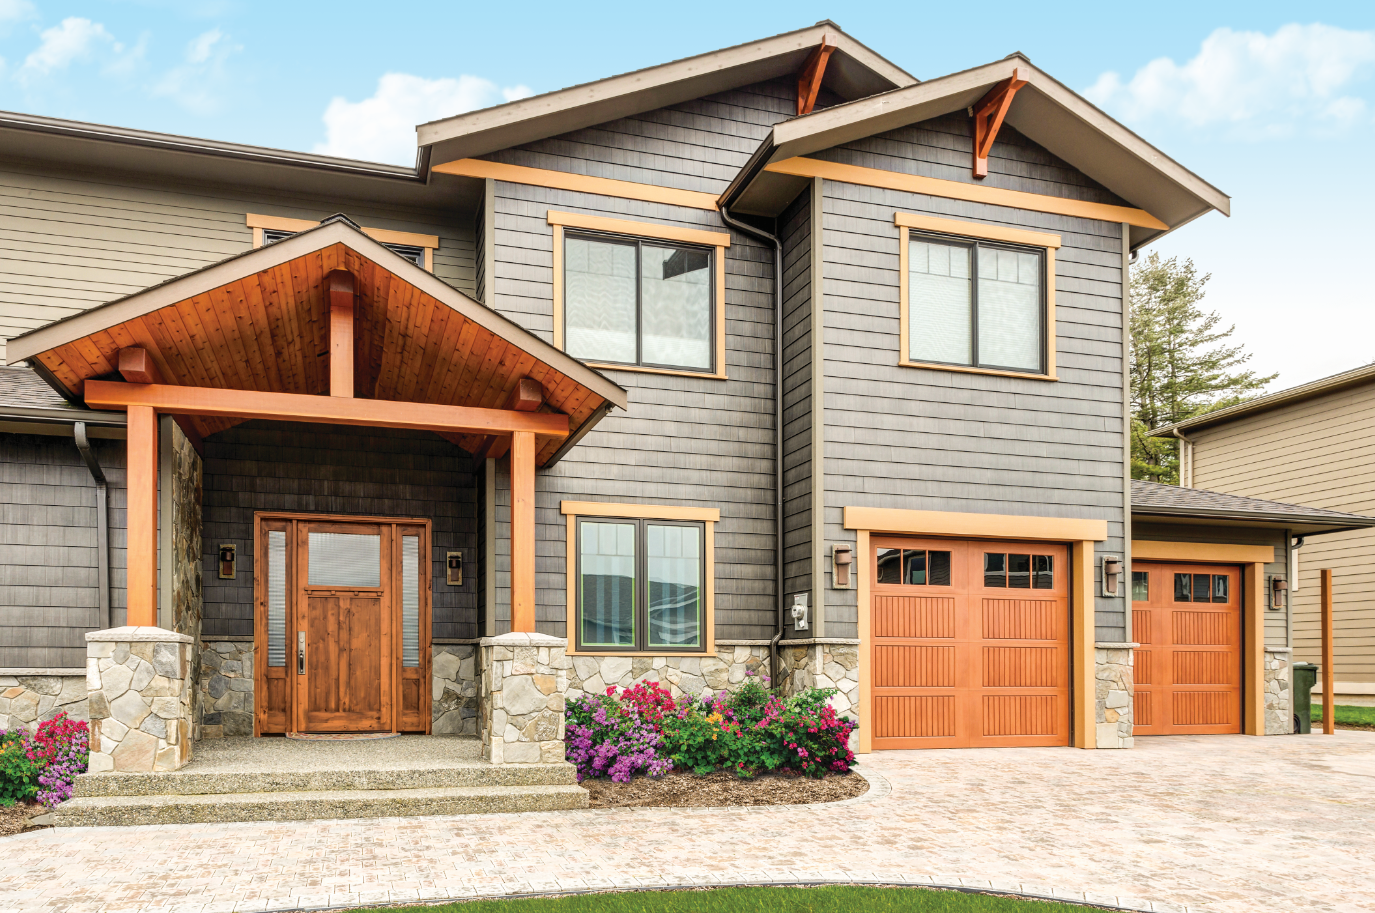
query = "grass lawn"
{"x": 1348, "y": 716}
{"x": 832, "y": 899}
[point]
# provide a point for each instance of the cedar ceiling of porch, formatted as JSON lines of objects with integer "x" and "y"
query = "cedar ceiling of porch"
{"x": 269, "y": 332}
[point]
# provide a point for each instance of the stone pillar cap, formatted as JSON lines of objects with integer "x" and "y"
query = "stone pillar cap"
{"x": 138, "y": 634}
{"x": 524, "y": 639}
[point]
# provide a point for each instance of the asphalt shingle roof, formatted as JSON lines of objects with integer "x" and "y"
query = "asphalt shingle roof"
{"x": 23, "y": 387}
{"x": 1149, "y": 497}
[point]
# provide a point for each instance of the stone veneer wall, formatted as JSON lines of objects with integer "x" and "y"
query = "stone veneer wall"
{"x": 1113, "y": 694}
{"x": 680, "y": 674}
{"x": 224, "y": 689}
{"x": 138, "y": 681}
{"x": 521, "y": 698}
{"x": 823, "y": 663}
{"x": 1279, "y": 694}
{"x": 454, "y": 694}
{"x": 27, "y": 700}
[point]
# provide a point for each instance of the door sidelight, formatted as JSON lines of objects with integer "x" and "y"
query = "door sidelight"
{"x": 300, "y": 652}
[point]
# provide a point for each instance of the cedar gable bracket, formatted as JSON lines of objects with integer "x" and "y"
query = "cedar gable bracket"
{"x": 809, "y": 79}
{"x": 988, "y": 114}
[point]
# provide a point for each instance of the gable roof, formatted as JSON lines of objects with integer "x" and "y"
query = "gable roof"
{"x": 256, "y": 322}
{"x": 1321, "y": 387}
{"x": 1044, "y": 110}
{"x": 853, "y": 71}
{"x": 1171, "y": 501}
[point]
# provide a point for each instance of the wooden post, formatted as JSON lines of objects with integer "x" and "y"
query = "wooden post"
{"x": 339, "y": 283}
{"x": 1253, "y": 649}
{"x": 1083, "y": 715}
{"x": 1329, "y": 698}
{"x": 142, "y": 517}
{"x": 523, "y": 531}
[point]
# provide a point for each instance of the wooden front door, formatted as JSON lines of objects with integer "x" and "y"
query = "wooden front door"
{"x": 343, "y": 624}
{"x": 1187, "y": 620}
{"x": 970, "y": 643}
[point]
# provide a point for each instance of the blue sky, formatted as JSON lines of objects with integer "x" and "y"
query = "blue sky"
{"x": 1275, "y": 108}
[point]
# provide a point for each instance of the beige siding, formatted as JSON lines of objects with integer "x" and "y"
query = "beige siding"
{"x": 70, "y": 241}
{"x": 1319, "y": 453}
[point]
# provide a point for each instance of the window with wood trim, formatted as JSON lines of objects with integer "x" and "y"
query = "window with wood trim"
{"x": 640, "y": 585}
{"x": 975, "y": 303}
{"x": 638, "y": 302}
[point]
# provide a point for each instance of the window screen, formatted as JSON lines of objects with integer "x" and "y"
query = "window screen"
{"x": 638, "y": 302}
{"x": 410, "y": 601}
{"x": 276, "y": 597}
{"x": 976, "y": 304}
{"x": 345, "y": 559}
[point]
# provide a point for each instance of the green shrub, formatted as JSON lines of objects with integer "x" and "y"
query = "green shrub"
{"x": 18, "y": 773}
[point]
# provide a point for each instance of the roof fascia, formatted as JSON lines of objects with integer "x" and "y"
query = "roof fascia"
{"x": 527, "y": 120}
{"x": 1351, "y": 521}
{"x": 172, "y": 142}
{"x": 246, "y": 264}
{"x": 1313, "y": 390}
{"x": 1044, "y": 114}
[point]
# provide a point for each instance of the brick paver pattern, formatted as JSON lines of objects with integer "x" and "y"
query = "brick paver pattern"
{"x": 1220, "y": 823}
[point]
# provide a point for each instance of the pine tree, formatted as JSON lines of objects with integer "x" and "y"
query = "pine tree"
{"x": 1181, "y": 364}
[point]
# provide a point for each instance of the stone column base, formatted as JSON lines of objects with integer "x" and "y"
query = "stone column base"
{"x": 1279, "y": 697}
{"x": 138, "y": 683}
{"x": 830, "y": 662}
{"x": 520, "y": 698}
{"x": 1115, "y": 682}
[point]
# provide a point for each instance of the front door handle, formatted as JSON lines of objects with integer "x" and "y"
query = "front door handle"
{"x": 300, "y": 652}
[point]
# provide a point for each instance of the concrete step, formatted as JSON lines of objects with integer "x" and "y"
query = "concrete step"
{"x": 99, "y": 811}
{"x": 191, "y": 782}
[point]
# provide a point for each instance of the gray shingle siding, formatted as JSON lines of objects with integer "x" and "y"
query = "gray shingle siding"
{"x": 330, "y": 469}
{"x": 949, "y": 441}
{"x": 795, "y": 233}
{"x": 49, "y": 594}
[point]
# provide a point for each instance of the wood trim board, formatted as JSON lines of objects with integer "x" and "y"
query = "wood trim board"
{"x": 1047, "y": 242}
{"x": 973, "y": 526}
{"x": 718, "y": 241}
{"x": 579, "y": 183}
{"x": 804, "y": 167}
{"x": 429, "y": 243}
{"x": 1221, "y": 553}
{"x": 638, "y": 511}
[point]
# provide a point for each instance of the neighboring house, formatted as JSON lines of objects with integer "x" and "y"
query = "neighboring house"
{"x": 557, "y": 380}
{"x": 1313, "y": 444}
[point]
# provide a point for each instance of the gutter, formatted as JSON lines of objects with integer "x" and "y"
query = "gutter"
{"x": 778, "y": 414}
{"x": 1185, "y": 442}
{"x": 62, "y": 415}
{"x": 102, "y": 521}
{"x": 1235, "y": 517}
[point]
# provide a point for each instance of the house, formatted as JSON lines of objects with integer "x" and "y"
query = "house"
{"x": 774, "y": 359}
{"x": 1310, "y": 444}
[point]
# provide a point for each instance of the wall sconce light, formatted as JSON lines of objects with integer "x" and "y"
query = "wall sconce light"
{"x": 454, "y": 563}
{"x": 1279, "y": 592}
{"x": 226, "y": 562}
{"x": 842, "y": 565}
{"x": 1112, "y": 575}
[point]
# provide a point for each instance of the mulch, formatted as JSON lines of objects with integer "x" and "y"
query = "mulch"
{"x": 14, "y": 819}
{"x": 683, "y": 789}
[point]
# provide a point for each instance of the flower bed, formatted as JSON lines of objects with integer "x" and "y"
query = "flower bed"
{"x": 42, "y": 766}
{"x": 643, "y": 730}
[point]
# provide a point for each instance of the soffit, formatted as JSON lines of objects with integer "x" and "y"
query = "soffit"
{"x": 1044, "y": 111}
{"x": 259, "y": 322}
{"x": 854, "y": 71}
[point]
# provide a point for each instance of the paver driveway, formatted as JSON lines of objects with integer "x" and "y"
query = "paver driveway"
{"x": 1225, "y": 823}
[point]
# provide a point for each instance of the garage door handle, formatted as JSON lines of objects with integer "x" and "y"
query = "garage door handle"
{"x": 300, "y": 652}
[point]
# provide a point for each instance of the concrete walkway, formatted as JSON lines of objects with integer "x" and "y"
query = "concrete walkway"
{"x": 1221, "y": 823}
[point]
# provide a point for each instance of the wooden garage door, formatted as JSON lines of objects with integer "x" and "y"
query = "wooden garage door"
{"x": 970, "y": 643}
{"x": 1187, "y": 619}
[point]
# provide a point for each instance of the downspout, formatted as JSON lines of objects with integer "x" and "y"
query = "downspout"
{"x": 1186, "y": 445}
{"x": 102, "y": 521}
{"x": 778, "y": 422}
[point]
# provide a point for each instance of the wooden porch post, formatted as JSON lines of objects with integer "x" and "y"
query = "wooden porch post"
{"x": 523, "y": 531}
{"x": 1329, "y": 677}
{"x": 143, "y": 517}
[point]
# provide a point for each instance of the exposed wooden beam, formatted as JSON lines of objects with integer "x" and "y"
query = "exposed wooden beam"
{"x": 988, "y": 118}
{"x": 295, "y": 407}
{"x": 142, "y": 518}
{"x": 137, "y": 366}
{"x": 809, "y": 79}
{"x": 527, "y": 396}
{"x": 341, "y": 292}
{"x": 523, "y": 531}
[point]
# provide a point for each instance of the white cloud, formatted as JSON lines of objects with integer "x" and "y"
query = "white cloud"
{"x": 1260, "y": 84}
{"x": 79, "y": 40}
{"x": 198, "y": 83}
{"x": 382, "y": 128}
{"x": 12, "y": 11}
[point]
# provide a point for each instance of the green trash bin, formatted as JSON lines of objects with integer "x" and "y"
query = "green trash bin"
{"x": 1305, "y": 677}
